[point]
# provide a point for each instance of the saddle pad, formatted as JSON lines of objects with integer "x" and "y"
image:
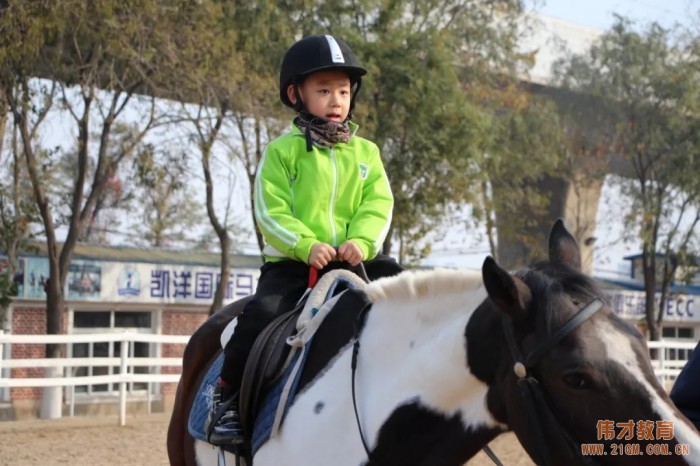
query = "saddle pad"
{"x": 202, "y": 400}
{"x": 264, "y": 419}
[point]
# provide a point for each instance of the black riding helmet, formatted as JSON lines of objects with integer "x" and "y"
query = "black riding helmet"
{"x": 318, "y": 53}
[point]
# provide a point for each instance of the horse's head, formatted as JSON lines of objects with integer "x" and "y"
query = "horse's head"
{"x": 563, "y": 371}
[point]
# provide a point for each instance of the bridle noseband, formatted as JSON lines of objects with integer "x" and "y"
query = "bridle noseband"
{"x": 534, "y": 398}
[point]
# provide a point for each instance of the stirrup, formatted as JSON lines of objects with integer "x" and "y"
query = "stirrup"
{"x": 236, "y": 437}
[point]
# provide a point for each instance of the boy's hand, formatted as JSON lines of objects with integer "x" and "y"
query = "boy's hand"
{"x": 321, "y": 255}
{"x": 350, "y": 252}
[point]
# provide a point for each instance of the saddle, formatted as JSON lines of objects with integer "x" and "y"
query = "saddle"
{"x": 274, "y": 349}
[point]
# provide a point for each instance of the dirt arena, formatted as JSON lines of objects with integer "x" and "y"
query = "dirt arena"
{"x": 99, "y": 441}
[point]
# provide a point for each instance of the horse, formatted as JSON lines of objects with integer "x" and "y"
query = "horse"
{"x": 445, "y": 361}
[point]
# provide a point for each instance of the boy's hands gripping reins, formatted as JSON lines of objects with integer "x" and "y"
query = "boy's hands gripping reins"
{"x": 322, "y": 254}
{"x": 351, "y": 253}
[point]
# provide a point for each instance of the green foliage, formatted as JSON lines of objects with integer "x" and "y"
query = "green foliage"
{"x": 441, "y": 97}
{"x": 647, "y": 84}
{"x": 523, "y": 148}
{"x": 165, "y": 196}
{"x": 135, "y": 50}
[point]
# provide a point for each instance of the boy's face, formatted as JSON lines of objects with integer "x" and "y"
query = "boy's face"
{"x": 326, "y": 94}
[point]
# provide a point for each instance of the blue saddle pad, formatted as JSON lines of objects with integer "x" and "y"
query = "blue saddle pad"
{"x": 265, "y": 417}
{"x": 202, "y": 401}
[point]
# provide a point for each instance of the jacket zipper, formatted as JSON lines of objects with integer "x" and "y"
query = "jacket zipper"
{"x": 333, "y": 193}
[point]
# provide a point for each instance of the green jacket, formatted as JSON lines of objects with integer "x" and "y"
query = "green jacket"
{"x": 327, "y": 195}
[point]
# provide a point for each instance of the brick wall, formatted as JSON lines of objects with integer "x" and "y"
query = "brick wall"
{"x": 178, "y": 323}
{"x": 28, "y": 321}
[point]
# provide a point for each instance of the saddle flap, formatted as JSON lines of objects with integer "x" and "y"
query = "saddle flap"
{"x": 267, "y": 360}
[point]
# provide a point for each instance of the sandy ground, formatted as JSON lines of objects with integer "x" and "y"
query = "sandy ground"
{"x": 95, "y": 441}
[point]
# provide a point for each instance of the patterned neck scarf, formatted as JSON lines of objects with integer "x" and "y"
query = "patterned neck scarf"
{"x": 325, "y": 133}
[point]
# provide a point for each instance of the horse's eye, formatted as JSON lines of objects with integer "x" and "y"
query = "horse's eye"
{"x": 577, "y": 381}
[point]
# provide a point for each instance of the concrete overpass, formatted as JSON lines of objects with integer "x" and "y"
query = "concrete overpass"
{"x": 574, "y": 199}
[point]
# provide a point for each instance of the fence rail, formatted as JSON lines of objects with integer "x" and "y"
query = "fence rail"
{"x": 665, "y": 367}
{"x": 125, "y": 363}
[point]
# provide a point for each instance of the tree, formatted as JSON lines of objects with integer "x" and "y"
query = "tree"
{"x": 101, "y": 64}
{"x": 523, "y": 148}
{"x": 207, "y": 132}
{"x": 649, "y": 84}
{"x": 165, "y": 196}
{"x": 16, "y": 213}
{"x": 256, "y": 115}
{"x": 236, "y": 96}
{"x": 213, "y": 83}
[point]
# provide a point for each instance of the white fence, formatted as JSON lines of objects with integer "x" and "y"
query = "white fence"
{"x": 665, "y": 367}
{"x": 125, "y": 362}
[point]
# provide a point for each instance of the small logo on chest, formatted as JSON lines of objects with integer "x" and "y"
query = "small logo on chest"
{"x": 364, "y": 171}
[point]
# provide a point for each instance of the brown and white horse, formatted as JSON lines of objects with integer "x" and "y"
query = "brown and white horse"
{"x": 449, "y": 360}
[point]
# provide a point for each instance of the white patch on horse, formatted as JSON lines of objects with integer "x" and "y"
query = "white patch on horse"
{"x": 423, "y": 361}
{"x": 620, "y": 349}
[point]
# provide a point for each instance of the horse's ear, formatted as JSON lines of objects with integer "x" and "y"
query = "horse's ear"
{"x": 508, "y": 293}
{"x": 563, "y": 247}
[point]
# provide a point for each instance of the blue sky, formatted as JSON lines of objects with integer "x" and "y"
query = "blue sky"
{"x": 599, "y": 13}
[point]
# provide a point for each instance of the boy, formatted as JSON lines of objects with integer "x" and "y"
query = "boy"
{"x": 318, "y": 188}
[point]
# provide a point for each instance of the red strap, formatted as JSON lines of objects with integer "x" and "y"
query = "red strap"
{"x": 313, "y": 276}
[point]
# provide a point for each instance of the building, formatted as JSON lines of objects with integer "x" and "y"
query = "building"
{"x": 113, "y": 289}
{"x": 681, "y": 311}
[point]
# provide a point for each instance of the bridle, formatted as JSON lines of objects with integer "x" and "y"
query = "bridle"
{"x": 533, "y": 396}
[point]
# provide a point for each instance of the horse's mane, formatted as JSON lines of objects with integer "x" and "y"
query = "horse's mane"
{"x": 410, "y": 285}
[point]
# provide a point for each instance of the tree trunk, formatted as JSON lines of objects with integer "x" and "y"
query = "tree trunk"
{"x": 222, "y": 286}
{"x": 649, "y": 269}
{"x": 491, "y": 229}
{"x": 4, "y": 109}
{"x": 52, "y": 397}
{"x": 386, "y": 247}
{"x": 219, "y": 228}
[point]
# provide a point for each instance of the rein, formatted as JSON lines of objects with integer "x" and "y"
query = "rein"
{"x": 534, "y": 398}
{"x": 359, "y": 323}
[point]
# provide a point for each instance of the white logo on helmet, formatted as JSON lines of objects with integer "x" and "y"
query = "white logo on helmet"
{"x": 336, "y": 53}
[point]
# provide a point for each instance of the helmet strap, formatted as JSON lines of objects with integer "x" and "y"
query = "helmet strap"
{"x": 358, "y": 85}
{"x": 299, "y": 105}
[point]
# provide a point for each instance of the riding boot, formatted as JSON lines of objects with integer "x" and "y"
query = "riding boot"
{"x": 223, "y": 425}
